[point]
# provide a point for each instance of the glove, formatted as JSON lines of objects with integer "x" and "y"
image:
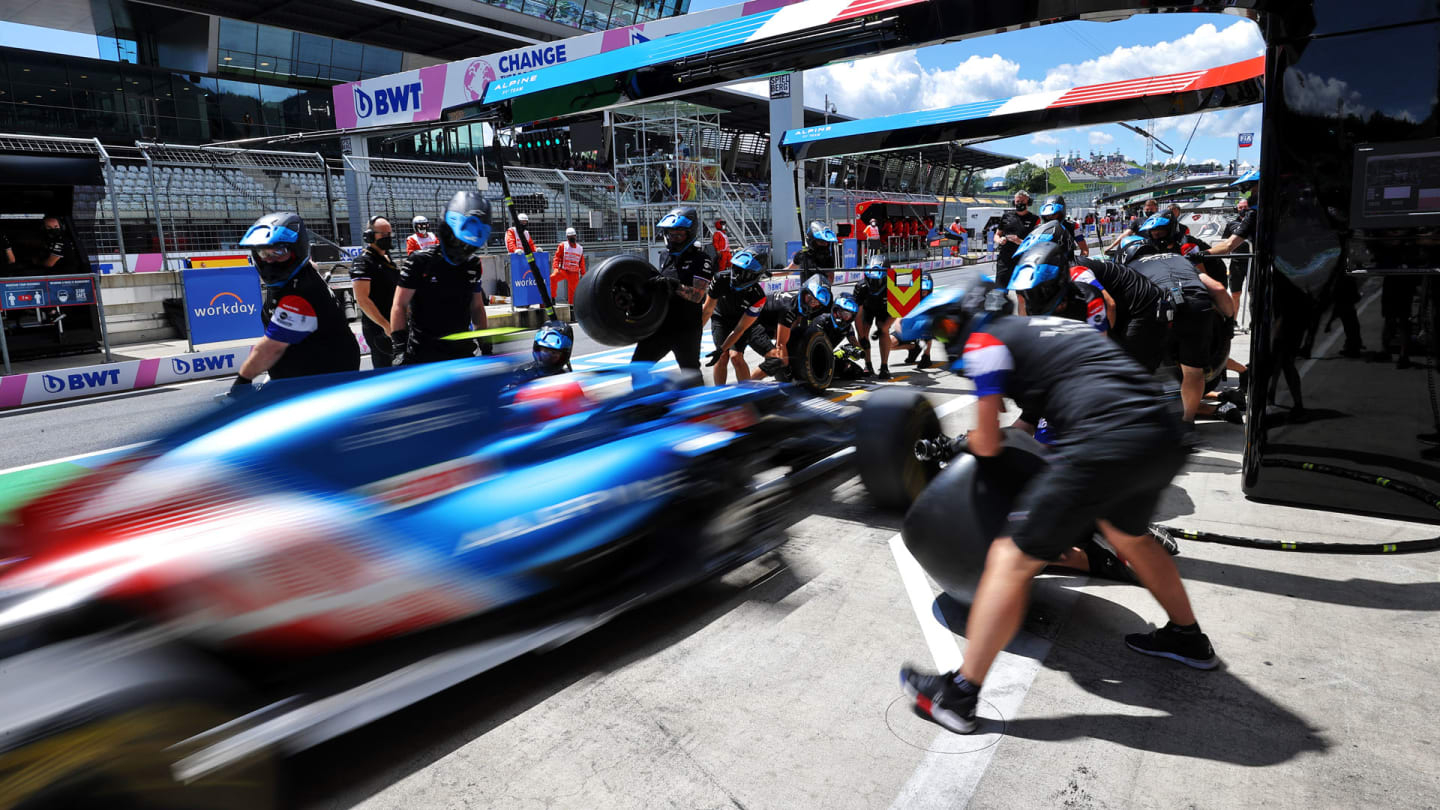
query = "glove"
{"x": 242, "y": 387}
{"x": 714, "y": 357}
{"x": 486, "y": 350}
{"x": 399, "y": 342}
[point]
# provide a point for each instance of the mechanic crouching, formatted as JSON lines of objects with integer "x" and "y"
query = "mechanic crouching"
{"x": 1118, "y": 446}
{"x": 686, "y": 273}
{"x": 439, "y": 289}
{"x": 305, "y": 330}
{"x": 732, "y": 306}
{"x": 785, "y": 318}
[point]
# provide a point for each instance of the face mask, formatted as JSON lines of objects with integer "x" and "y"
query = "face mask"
{"x": 52, "y": 231}
{"x": 1021, "y": 206}
{"x": 384, "y": 242}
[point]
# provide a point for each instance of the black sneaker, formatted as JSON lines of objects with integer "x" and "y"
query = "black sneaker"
{"x": 1106, "y": 565}
{"x": 1231, "y": 413}
{"x": 884, "y": 372}
{"x": 1190, "y": 649}
{"x": 910, "y": 355}
{"x": 925, "y": 362}
{"x": 947, "y": 702}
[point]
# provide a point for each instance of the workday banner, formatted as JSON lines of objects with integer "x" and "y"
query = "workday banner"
{"x": 223, "y": 303}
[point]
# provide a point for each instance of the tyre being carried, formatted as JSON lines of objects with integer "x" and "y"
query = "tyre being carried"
{"x": 812, "y": 359}
{"x": 621, "y": 302}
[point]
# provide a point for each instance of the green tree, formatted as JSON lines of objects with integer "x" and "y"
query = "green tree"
{"x": 1026, "y": 176}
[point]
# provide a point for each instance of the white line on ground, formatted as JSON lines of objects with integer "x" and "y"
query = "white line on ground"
{"x": 78, "y": 457}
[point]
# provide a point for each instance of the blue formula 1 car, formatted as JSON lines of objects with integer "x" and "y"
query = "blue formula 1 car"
{"x": 331, "y": 550}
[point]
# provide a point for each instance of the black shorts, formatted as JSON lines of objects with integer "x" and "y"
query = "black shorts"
{"x": 1239, "y": 268}
{"x": 1060, "y": 506}
{"x": 1144, "y": 340}
{"x": 1190, "y": 337}
{"x": 875, "y": 310}
{"x": 438, "y": 351}
{"x": 755, "y": 337}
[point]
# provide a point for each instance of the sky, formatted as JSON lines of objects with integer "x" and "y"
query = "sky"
{"x": 1053, "y": 57}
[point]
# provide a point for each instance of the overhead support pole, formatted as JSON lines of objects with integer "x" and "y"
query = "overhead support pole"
{"x": 787, "y": 111}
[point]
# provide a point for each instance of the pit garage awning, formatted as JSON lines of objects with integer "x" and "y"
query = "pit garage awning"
{"x": 1230, "y": 85}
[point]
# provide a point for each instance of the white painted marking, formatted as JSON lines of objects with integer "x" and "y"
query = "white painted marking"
{"x": 39, "y": 464}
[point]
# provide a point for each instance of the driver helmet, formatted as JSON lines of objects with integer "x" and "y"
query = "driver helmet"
{"x": 279, "y": 245}
{"x": 820, "y": 236}
{"x": 845, "y": 309}
{"x": 464, "y": 227}
{"x": 815, "y": 297}
{"x": 552, "y": 344}
{"x": 679, "y": 228}
{"x": 1041, "y": 277}
{"x": 745, "y": 270}
{"x": 1054, "y": 208}
{"x": 1134, "y": 247}
{"x": 927, "y": 284}
{"x": 420, "y": 224}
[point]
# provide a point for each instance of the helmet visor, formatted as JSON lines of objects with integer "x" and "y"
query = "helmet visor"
{"x": 268, "y": 235}
{"x": 273, "y": 254}
{"x": 469, "y": 228}
{"x": 546, "y": 356}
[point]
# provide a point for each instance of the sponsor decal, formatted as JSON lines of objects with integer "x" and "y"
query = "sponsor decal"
{"x": 225, "y": 303}
{"x": 202, "y": 363}
{"x": 386, "y": 100}
{"x": 80, "y": 381}
{"x": 478, "y": 75}
{"x": 532, "y": 58}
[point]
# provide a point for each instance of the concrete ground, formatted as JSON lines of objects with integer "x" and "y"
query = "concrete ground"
{"x": 776, "y": 686}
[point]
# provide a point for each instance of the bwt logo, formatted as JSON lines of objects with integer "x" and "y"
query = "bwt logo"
{"x": 386, "y": 100}
{"x": 202, "y": 364}
{"x": 81, "y": 381}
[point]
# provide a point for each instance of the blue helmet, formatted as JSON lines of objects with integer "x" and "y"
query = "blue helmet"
{"x": 820, "y": 235}
{"x": 1052, "y": 231}
{"x": 1041, "y": 277}
{"x": 464, "y": 226}
{"x": 553, "y": 343}
{"x": 279, "y": 246}
{"x": 876, "y": 267}
{"x": 745, "y": 270}
{"x": 817, "y": 290}
{"x": 927, "y": 284}
{"x": 845, "y": 309}
{"x": 1159, "y": 228}
{"x": 1053, "y": 207}
{"x": 1133, "y": 247}
{"x": 680, "y": 228}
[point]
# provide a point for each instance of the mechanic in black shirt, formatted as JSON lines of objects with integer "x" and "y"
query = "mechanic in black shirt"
{"x": 817, "y": 257}
{"x": 733, "y": 305}
{"x": 1014, "y": 227}
{"x": 1141, "y": 323}
{"x": 914, "y": 349}
{"x": 1054, "y": 211}
{"x": 686, "y": 272}
{"x": 305, "y": 330}
{"x": 55, "y": 255}
{"x": 439, "y": 290}
{"x": 785, "y": 318}
{"x": 839, "y": 326}
{"x": 873, "y": 294}
{"x": 1149, "y": 209}
{"x": 1117, "y": 448}
{"x": 1194, "y": 298}
{"x": 373, "y": 276}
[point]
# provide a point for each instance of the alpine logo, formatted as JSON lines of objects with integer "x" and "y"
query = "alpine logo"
{"x": 387, "y": 100}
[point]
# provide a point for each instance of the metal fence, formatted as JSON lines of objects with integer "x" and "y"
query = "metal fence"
{"x": 94, "y": 215}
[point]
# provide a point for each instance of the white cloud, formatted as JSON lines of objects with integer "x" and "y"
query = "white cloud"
{"x": 897, "y": 82}
{"x": 1045, "y": 138}
{"x": 1098, "y": 138}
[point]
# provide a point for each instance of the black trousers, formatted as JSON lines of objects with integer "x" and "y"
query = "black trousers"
{"x": 679, "y": 334}
{"x": 381, "y": 347}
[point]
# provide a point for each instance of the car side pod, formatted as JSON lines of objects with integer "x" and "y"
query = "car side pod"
{"x": 621, "y": 301}
{"x": 950, "y": 526}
